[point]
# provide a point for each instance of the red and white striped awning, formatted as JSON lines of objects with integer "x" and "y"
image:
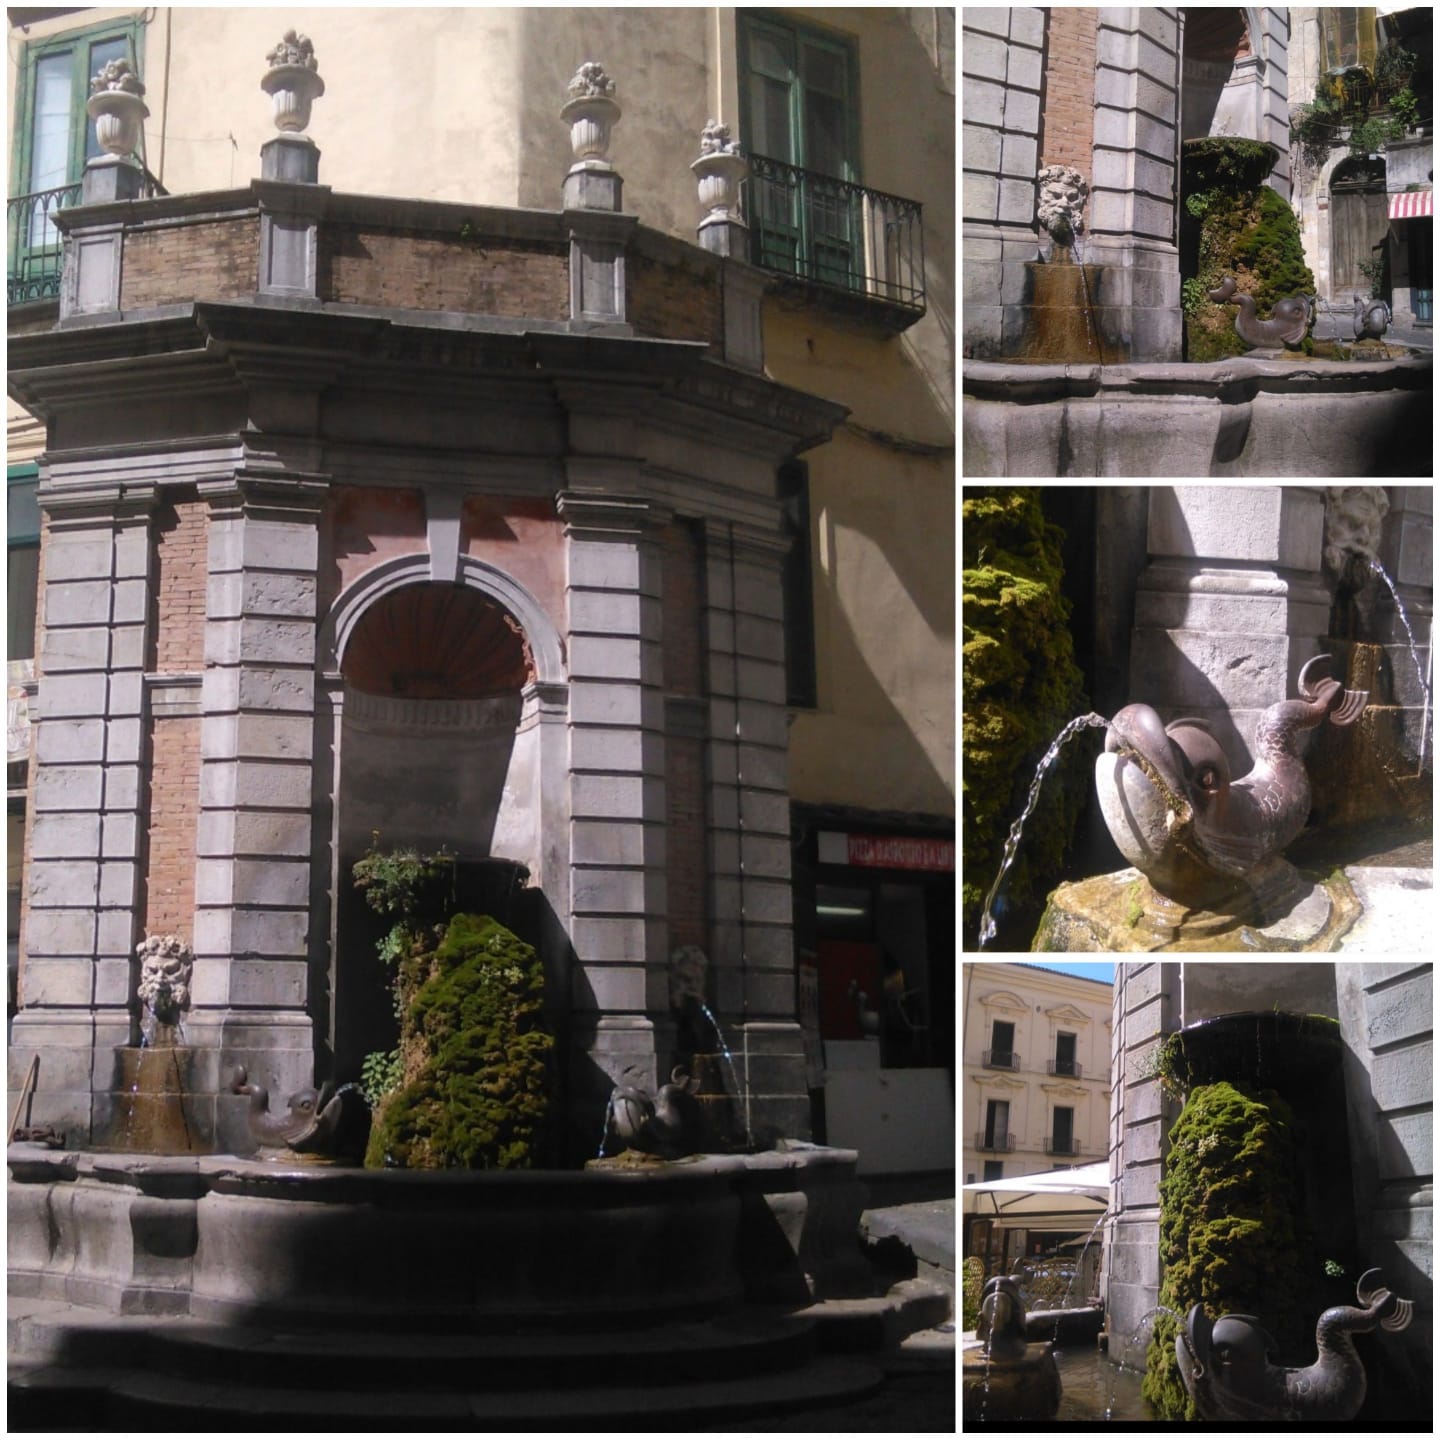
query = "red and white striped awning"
{"x": 1413, "y": 205}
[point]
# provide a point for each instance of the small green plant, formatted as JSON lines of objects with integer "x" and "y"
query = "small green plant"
{"x": 1394, "y": 65}
{"x": 1134, "y": 904}
{"x": 380, "y": 1073}
{"x": 1374, "y": 273}
{"x": 1197, "y": 205}
{"x": 1406, "y": 109}
{"x": 1334, "y": 1269}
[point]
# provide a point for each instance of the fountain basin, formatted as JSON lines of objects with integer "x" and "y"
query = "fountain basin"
{"x": 315, "y": 1246}
{"x": 1025, "y": 1387}
{"x": 1234, "y": 417}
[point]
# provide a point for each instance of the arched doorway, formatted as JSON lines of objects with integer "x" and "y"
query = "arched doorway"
{"x": 433, "y": 676}
{"x": 1359, "y": 229}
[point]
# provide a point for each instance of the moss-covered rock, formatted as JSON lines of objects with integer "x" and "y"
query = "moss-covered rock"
{"x": 474, "y": 1055}
{"x": 1232, "y": 1233}
{"x": 1019, "y": 685}
{"x": 1245, "y": 230}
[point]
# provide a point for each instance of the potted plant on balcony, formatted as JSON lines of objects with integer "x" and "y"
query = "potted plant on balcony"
{"x": 116, "y": 107}
{"x": 293, "y": 82}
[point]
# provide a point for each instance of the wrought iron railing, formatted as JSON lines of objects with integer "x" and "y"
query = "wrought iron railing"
{"x": 1000, "y": 1059}
{"x": 835, "y": 233}
{"x": 993, "y": 1140}
{"x": 1061, "y": 1145}
{"x": 33, "y": 243}
{"x": 1063, "y": 1067}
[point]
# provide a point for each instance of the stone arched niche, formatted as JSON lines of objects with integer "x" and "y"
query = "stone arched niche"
{"x": 431, "y": 754}
{"x": 1221, "y": 73}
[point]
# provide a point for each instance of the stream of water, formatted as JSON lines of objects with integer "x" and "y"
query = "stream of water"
{"x": 1012, "y": 844}
{"x": 1380, "y": 570}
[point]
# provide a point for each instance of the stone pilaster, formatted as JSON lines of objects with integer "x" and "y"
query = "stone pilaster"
{"x": 748, "y": 815}
{"x": 86, "y": 827}
{"x": 1231, "y": 604}
{"x": 253, "y": 922}
{"x": 617, "y": 792}
{"x": 1001, "y": 114}
{"x": 1133, "y": 192}
{"x": 1144, "y": 1010}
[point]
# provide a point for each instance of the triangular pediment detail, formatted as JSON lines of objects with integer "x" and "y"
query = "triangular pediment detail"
{"x": 999, "y": 1082}
{"x": 1064, "y": 1089}
{"x": 1069, "y": 1015}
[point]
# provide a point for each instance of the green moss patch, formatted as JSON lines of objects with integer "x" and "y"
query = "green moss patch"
{"x": 1245, "y": 230}
{"x": 474, "y": 1056}
{"x": 1019, "y": 684}
{"x": 1231, "y": 1234}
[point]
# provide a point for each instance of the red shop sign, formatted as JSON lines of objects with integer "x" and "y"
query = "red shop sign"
{"x": 900, "y": 852}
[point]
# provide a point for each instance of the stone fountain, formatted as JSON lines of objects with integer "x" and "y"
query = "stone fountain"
{"x": 1008, "y": 1377}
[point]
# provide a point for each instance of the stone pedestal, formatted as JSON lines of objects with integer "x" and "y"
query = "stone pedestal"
{"x": 1230, "y": 606}
{"x": 295, "y": 158}
{"x": 111, "y": 177}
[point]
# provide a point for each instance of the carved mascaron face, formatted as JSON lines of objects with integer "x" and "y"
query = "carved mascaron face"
{"x": 1062, "y": 196}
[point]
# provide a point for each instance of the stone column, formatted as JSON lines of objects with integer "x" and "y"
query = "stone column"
{"x": 1000, "y": 93}
{"x": 86, "y": 830}
{"x": 1134, "y": 188}
{"x": 748, "y": 818}
{"x": 617, "y": 794}
{"x": 1145, "y": 1008}
{"x": 253, "y": 922}
{"x": 1231, "y": 604}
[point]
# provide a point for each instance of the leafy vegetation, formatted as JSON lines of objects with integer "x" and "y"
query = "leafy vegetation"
{"x": 1019, "y": 685}
{"x": 468, "y": 1084}
{"x": 1245, "y": 230}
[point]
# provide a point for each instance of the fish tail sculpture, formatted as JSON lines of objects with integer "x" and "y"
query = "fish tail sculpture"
{"x": 310, "y": 1126}
{"x": 1170, "y": 803}
{"x": 1229, "y": 1366}
{"x": 1288, "y": 322}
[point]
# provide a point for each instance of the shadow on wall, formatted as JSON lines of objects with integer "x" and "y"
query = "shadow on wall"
{"x": 881, "y": 584}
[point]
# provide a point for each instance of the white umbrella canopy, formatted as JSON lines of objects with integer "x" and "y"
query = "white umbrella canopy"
{"x": 1083, "y": 1191}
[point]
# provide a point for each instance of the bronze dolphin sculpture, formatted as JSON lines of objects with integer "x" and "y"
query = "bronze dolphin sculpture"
{"x": 1229, "y": 1365}
{"x": 1371, "y": 319}
{"x": 1176, "y": 814}
{"x": 1287, "y": 324}
{"x": 309, "y": 1127}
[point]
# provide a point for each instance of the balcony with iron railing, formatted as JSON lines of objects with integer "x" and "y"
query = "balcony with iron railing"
{"x": 856, "y": 247}
{"x": 34, "y": 248}
{"x": 1063, "y": 1067}
{"x": 993, "y": 1140}
{"x": 1061, "y": 1145}
{"x": 1000, "y": 1059}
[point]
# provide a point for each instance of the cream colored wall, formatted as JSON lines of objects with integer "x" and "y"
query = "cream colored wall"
{"x": 1037, "y": 1002}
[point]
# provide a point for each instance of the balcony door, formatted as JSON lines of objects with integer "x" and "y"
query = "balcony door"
{"x": 1064, "y": 1054}
{"x": 1063, "y": 1132}
{"x": 997, "y": 1124}
{"x": 798, "y": 112}
{"x": 1002, "y": 1043}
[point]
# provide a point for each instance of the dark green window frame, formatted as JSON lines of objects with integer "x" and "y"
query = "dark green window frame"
{"x": 800, "y": 124}
{"x": 22, "y": 568}
{"x": 79, "y": 45}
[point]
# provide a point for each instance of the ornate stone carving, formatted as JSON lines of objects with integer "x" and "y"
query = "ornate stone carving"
{"x": 1354, "y": 515}
{"x": 591, "y": 80}
{"x": 166, "y": 965}
{"x": 591, "y": 113}
{"x": 116, "y": 107}
{"x": 718, "y": 172}
{"x": 293, "y": 82}
{"x": 1061, "y": 205}
{"x": 715, "y": 140}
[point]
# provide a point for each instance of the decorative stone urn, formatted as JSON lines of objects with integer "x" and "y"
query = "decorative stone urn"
{"x": 719, "y": 171}
{"x": 591, "y": 113}
{"x": 116, "y": 107}
{"x": 293, "y": 82}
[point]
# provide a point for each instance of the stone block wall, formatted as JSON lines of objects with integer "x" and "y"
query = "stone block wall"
{"x": 1386, "y": 1019}
{"x": 1231, "y": 604}
{"x": 1003, "y": 56}
{"x": 1134, "y": 186}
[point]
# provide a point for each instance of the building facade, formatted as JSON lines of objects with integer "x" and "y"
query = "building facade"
{"x": 496, "y": 516}
{"x": 1037, "y": 1070}
{"x": 1110, "y": 93}
{"x": 1366, "y": 208}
